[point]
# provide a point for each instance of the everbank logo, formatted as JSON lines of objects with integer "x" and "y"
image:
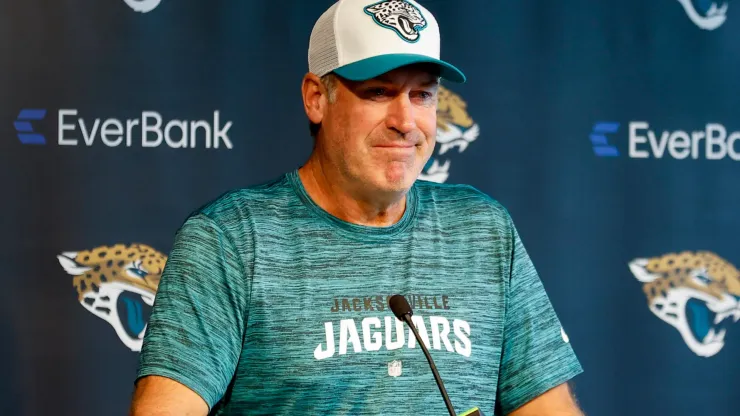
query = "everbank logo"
{"x": 151, "y": 130}
{"x": 713, "y": 141}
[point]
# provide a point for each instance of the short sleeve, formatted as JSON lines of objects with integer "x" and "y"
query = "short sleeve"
{"x": 537, "y": 355}
{"x": 195, "y": 332}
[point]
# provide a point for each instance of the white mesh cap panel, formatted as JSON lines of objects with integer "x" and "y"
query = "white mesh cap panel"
{"x": 322, "y": 49}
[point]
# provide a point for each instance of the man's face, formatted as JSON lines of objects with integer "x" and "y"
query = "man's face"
{"x": 381, "y": 132}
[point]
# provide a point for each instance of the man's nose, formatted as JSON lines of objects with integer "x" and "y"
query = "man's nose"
{"x": 401, "y": 114}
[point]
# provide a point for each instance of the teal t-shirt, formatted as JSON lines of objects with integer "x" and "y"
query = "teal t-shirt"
{"x": 270, "y": 305}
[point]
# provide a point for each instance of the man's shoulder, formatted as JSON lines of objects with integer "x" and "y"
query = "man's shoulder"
{"x": 241, "y": 203}
{"x": 460, "y": 198}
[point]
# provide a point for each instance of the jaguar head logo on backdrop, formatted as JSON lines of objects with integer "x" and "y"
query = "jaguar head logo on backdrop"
{"x": 143, "y": 6}
{"x": 455, "y": 129}
{"x": 117, "y": 284}
{"x": 706, "y": 14}
{"x": 696, "y": 293}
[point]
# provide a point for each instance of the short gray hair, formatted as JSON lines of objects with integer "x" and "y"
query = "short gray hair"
{"x": 330, "y": 83}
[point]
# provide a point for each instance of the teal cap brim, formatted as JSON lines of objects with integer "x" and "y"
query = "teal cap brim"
{"x": 378, "y": 65}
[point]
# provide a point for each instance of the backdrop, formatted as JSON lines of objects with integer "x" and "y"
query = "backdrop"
{"x": 608, "y": 129}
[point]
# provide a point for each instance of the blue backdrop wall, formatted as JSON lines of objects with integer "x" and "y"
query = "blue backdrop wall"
{"x": 608, "y": 129}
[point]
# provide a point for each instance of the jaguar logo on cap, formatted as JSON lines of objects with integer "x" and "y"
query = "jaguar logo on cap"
{"x": 401, "y": 16}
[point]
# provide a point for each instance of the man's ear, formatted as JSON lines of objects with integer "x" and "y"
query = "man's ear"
{"x": 314, "y": 98}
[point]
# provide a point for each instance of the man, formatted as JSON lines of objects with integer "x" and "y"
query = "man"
{"x": 274, "y": 298}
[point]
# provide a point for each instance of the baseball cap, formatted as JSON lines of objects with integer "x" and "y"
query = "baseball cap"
{"x": 361, "y": 39}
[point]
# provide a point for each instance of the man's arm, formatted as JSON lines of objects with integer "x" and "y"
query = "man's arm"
{"x": 161, "y": 396}
{"x": 194, "y": 335}
{"x": 557, "y": 401}
{"x": 537, "y": 357}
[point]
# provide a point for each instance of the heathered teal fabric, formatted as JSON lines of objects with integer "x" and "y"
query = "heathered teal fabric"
{"x": 269, "y": 305}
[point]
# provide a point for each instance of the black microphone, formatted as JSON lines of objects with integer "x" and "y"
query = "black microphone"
{"x": 402, "y": 310}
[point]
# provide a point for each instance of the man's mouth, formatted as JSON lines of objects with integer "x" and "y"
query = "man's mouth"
{"x": 396, "y": 146}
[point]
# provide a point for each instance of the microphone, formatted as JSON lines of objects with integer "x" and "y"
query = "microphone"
{"x": 402, "y": 310}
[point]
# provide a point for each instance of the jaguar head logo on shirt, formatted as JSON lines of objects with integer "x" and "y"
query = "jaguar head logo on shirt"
{"x": 696, "y": 293}
{"x": 455, "y": 130}
{"x": 117, "y": 284}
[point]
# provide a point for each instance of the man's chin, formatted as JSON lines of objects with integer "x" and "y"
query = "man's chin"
{"x": 394, "y": 178}
{"x": 397, "y": 181}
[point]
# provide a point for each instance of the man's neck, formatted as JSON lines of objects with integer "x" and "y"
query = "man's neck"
{"x": 338, "y": 199}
